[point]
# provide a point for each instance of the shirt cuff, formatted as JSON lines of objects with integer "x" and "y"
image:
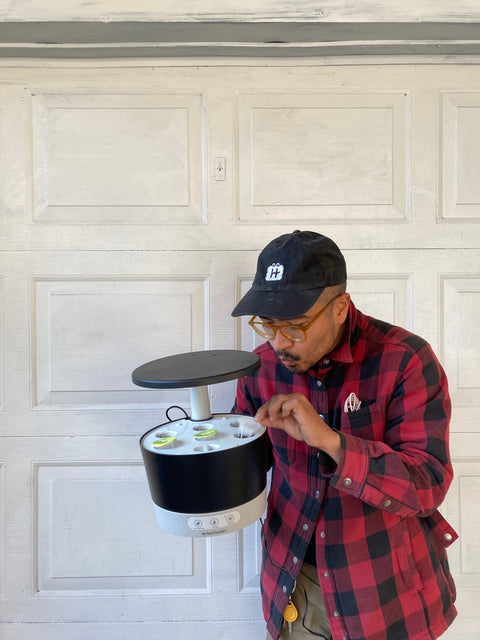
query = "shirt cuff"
{"x": 352, "y": 468}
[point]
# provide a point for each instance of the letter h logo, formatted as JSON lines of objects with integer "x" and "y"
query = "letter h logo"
{"x": 274, "y": 272}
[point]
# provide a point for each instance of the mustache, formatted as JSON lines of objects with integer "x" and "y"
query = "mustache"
{"x": 285, "y": 354}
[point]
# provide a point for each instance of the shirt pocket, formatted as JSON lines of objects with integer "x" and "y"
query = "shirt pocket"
{"x": 406, "y": 554}
{"x": 368, "y": 422}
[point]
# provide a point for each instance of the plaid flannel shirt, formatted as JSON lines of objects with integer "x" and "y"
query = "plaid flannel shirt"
{"x": 380, "y": 541}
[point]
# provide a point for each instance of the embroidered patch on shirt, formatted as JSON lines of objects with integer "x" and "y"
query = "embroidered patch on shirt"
{"x": 352, "y": 403}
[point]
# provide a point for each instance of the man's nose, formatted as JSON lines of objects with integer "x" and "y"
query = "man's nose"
{"x": 280, "y": 342}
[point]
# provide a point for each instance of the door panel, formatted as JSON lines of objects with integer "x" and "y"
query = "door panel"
{"x": 122, "y": 241}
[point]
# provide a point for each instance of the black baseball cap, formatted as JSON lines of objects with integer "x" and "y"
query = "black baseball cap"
{"x": 292, "y": 272}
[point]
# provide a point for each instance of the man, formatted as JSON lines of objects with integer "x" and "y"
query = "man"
{"x": 357, "y": 412}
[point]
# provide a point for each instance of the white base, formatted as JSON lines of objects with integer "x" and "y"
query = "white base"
{"x": 198, "y": 525}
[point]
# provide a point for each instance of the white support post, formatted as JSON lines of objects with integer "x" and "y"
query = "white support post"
{"x": 200, "y": 403}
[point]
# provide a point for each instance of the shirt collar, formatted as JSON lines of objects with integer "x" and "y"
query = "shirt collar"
{"x": 343, "y": 351}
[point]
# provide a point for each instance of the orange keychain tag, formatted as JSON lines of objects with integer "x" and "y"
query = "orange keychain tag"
{"x": 290, "y": 614}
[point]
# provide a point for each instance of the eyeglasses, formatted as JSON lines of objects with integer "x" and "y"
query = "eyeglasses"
{"x": 293, "y": 332}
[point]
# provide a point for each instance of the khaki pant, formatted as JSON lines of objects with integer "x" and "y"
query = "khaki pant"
{"x": 312, "y": 621}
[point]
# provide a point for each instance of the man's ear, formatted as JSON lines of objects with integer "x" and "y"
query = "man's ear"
{"x": 341, "y": 307}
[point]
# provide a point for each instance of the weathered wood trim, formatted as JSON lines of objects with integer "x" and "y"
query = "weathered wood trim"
{"x": 179, "y": 39}
{"x": 339, "y": 11}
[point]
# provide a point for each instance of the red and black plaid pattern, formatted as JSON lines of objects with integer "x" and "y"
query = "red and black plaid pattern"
{"x": 380, "y": 541}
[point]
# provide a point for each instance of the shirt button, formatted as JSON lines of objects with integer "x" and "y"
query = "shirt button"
{"x": 295, "y": 559}
{"x": 387, "y": 503}
{"x": 322, "y": 534}
{"x": 326, "y": 361}
{"x": 448, "y": 537}
{"x": 336, "y": 614}
{"x": 322, "y": 416}
{"x": 317, "y": 494}
{"x": 305, "y": 527}
{"x": 284, "y": 589}
{"x": 319, "y": 383}
{"x": 347, "y": 482}
{"x": 326, "y": 574}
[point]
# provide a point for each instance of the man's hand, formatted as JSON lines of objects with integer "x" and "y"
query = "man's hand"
{"x": 294, "y": 414}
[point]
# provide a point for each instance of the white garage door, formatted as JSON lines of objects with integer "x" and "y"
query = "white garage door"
{"x": 134, "y": 200}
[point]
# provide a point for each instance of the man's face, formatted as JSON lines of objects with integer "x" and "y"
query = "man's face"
{"x": 322, "y": 336}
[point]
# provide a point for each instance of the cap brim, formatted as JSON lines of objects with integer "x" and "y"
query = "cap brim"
{"x": 276, "y": 304}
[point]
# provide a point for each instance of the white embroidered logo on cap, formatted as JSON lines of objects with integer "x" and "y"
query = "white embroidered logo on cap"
{"x": 274, "y": 272}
